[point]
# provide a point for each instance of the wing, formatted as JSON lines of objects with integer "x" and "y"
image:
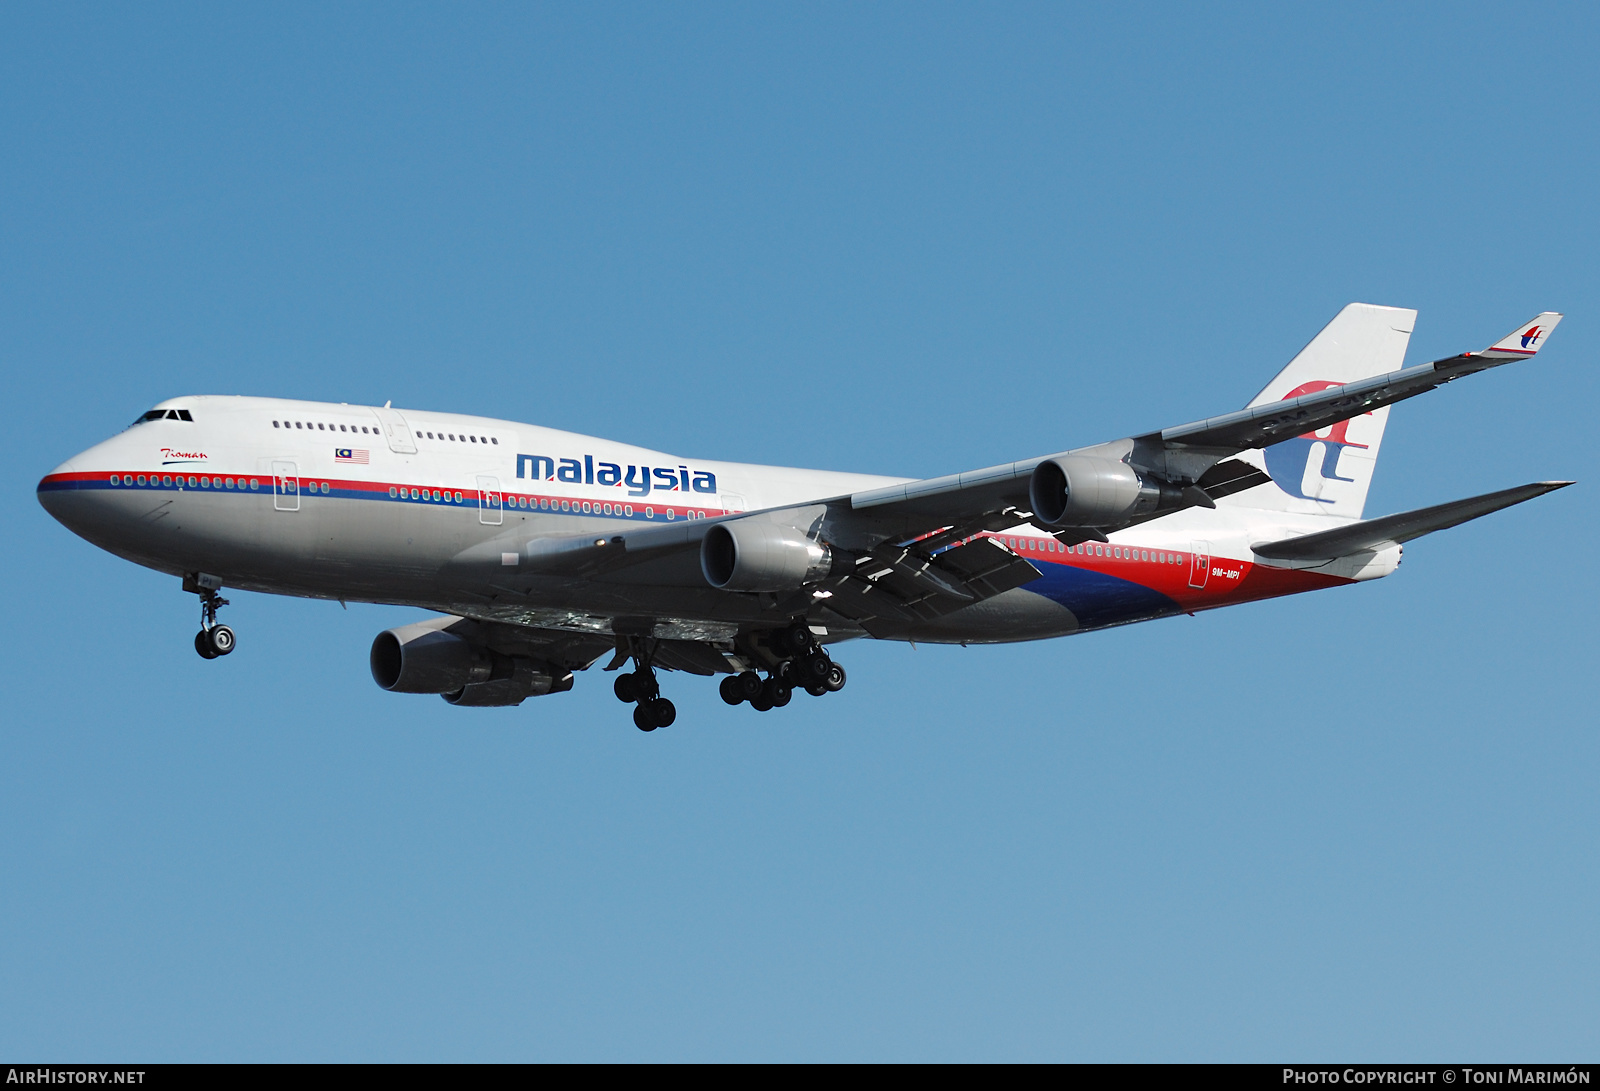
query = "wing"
{"x": 1189, "y": 465}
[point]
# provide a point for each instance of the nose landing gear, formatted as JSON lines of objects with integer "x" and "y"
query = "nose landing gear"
{"x": 213, "y": 639}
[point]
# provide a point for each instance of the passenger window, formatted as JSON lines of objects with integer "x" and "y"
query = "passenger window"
{"x": 274, "y": 424}
{"x": 474, "y": 439}
{"x": 494, "y": 441}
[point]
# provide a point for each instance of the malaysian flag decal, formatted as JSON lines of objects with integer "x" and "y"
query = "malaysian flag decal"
{"x": 355, "y": 455}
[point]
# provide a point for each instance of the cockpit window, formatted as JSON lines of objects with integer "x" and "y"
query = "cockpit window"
{"x": 165, "y": 414}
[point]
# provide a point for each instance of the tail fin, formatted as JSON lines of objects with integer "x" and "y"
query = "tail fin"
{"x": 1329, "y": 472}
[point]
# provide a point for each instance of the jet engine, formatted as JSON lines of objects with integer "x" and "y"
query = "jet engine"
{"x": 1079, "y": 491}
{"x": 746, "y": 556}
{"x": 422, "y": 658}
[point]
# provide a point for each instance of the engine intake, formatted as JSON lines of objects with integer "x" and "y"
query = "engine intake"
{"x": 1079, "y": 491}
{"x": 744, "y": 556}
{"x": 421, "y": 659}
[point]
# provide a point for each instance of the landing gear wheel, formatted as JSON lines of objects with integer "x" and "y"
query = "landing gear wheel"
{"x": 817, "y": 689}
{"x": 814, "y": 667}
{"x": 212, "y": 640}
{"x": 777, "y": 692}
{"x": 729, "y": 689}
{"x": 836, "y": 679}
{"x": 760, "y": 702}
{"x": 623, "y": 687}
{"x": 662, "y": 711}
{"x": 642, "y": 719}
{"x": 750, "y": 685}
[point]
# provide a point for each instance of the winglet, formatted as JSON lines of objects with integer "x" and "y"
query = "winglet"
{"x": 1525, "y": 340}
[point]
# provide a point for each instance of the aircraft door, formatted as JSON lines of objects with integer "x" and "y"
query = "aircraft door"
{"x": 490, "y": 510}
{"x": 732, "y": 502}
{"x": 1199, "y": 564}
{"x": 285, "y": 486}
{"x": 396, "y": 431}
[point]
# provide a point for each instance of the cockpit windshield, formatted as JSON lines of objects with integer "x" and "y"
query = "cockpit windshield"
{"x": 165, "y": 414}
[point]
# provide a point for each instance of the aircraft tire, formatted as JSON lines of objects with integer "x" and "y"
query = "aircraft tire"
{"x": 623, "y": 688}
{"x": 729, "y": 689}
{"x": 815, "y": 667}
{"x": 836, "y": 678}
{"x": 663, "y": 712}
{"x": 642, "y": 719}
{"x": 777, "y": 692}
{"x": 760, "y": 702}
{"x": 816, "y": 689}
{"x": 221, "y": 639}
{"x": 750, "y": 685}
{"x": 202, "y": 645}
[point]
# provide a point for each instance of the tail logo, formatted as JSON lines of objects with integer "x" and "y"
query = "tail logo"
{"x": 1287, "y": 462}
{"x": 1532, "y": 336}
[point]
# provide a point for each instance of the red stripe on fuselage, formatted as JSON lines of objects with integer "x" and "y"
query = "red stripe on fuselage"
{"x": 1228, "y": 581}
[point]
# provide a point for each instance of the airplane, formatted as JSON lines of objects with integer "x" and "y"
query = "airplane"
{"x": 543, "y": 551}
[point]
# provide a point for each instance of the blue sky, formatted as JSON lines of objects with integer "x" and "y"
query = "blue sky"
{"x": 899, "y": 239}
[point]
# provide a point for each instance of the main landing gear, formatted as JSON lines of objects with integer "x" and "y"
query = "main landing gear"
{"x": 804, "y": 666}
{"x": 213, "y": 639}
{"x": 640, "y": 689}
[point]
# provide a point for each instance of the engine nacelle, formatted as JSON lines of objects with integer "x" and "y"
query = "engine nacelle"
{"x": 745, "y": 556}
{"x": 422, "y": 659}
{"x": 1079, "y": 491}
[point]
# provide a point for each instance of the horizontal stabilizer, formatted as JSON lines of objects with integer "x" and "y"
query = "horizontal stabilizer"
{"x": 1395, "y": 529}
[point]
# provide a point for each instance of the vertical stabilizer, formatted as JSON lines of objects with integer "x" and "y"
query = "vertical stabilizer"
{"x": 1328, "y": 472}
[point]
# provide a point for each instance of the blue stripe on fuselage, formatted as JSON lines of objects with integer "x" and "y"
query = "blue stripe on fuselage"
{"x": 1097, "y": 599}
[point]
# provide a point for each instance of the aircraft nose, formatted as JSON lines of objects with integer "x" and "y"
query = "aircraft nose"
{"x": 67, "y": 493}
